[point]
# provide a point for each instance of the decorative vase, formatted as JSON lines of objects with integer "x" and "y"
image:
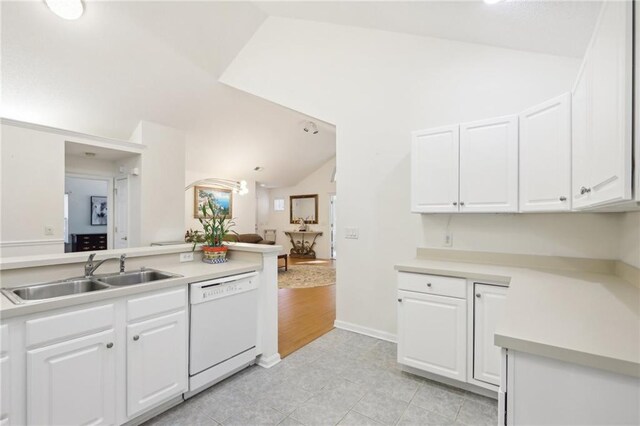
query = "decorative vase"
{"x": 214, "y": 254}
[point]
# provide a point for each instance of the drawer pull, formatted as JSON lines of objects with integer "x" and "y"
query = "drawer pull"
{"x": 478, "y": 295}
{"x": 428, "y": 284}
{"x": 136, "y": 337}
{"x": 109, "y": 345}
{"x": 399, "y": 300}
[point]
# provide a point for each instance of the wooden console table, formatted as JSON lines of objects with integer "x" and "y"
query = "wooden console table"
{"x": 302, "y": 248}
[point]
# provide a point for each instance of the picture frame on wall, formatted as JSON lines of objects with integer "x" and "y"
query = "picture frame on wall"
{"x": 99, "y": 210}
{"x": 201, "y": 195}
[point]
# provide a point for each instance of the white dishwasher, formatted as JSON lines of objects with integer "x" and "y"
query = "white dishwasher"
{"x": 223, "y": 330}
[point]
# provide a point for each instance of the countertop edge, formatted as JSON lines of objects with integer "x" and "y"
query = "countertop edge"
{"x": 503, "y": 279}
{"x": 614, "y": 365}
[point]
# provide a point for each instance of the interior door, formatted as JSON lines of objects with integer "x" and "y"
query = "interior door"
{"x": 545, "y": 156}
{"x": 432, "y": 333}
{"x": 434, "y": 170}
{"x": 121, "y": 226}
{"x": 489, "y": 165}
{"x": 73, "y": 382}
{"x": 489, "y": 306}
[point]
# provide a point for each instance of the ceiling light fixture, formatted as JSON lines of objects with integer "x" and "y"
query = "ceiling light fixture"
{"x": 493, "y": 1}
{"x": 66, "y": 9}
{"x": 238, "y": 187}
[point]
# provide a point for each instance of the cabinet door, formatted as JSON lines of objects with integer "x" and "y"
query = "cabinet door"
{"x": 580, "y": 139}
{"x": 489, "y": 165}
{"x": 607, "y": 141}
{"x": 545, "y": 156}
{"x": 434, "y": 170}
{"x": 432, "y": 333}
{"x": 72, "y": 382}
{"x": 5, "y": 376}
{"x": 489, "y": 305}
{"x": 156, "y": 361}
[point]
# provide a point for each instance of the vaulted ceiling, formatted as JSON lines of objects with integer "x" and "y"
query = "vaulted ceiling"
{"x": 123, "y": 62}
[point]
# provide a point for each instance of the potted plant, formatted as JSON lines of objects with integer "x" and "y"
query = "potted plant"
{"x": 216, "y": 227}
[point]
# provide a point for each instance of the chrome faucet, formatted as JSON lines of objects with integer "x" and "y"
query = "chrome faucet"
{"x": 91, "y": 266}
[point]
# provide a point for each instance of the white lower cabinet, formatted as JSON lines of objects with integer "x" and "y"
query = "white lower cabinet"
{"x": 76, "y": 366}
{"x": 543, "y": 391}
{"x": 432, "y": 333}
{"x": 5, "y": 376}
{"x": 156, "y": 361}
{"x": 73, "y": 382}
{"x": 488, "y": 309}
{"x": 446, "y": 327}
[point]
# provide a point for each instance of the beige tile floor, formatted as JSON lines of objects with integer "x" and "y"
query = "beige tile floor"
{"x": 342, "y": 378}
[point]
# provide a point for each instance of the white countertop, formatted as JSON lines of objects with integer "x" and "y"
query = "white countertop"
{"x": 590, "y": 319}
{"x": 190, "y": 271}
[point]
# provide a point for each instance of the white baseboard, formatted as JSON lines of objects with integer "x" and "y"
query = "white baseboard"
{"x": 270, "y": 361}
{"x": 371, "y": 332}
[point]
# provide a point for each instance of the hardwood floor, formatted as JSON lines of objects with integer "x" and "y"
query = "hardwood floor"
{"x": 304, "y": 314}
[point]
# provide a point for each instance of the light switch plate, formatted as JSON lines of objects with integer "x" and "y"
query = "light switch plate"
{"x": 351, "y": 233}
{"x": 186, "y": 257}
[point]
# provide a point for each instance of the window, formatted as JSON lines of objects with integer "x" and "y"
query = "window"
{"x": 278, "y": 204}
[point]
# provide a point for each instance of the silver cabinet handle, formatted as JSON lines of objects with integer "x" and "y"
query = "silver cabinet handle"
{"x": 109, "y": 345}
{"x": 462, "y": 203}
{"x": 563, "y": 198}
{"x": 428, "y": 284}
{"x": 478, "y": 295}
{"x": 136, "y": 337}
{"x": 584, "y": 190}
{"x": 399, "y": 300}
{"x": 455, "y": 203}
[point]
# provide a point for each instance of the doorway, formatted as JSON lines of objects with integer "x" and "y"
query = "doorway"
{"x": 87, "y": 212}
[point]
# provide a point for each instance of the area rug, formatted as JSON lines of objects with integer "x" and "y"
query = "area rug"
{"x": 306, "y": 276}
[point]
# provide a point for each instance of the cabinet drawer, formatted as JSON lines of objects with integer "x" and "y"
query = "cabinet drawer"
{"x": 69, "y": 324}
{"x": 155, "y": 304}
{"x": 433, "y": 284}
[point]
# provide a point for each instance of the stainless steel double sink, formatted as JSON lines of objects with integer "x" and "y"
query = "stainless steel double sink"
{"x": 72, "y": 286}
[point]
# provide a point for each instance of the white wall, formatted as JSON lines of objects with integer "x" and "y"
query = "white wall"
{"x": 80, "y": 191}
{"x": 162, "y": 183}
{"x": 630, "y": 239}
{"x": 318, "y": 182}
{"x": 32, "y": 188}
{"x": 377, "y": 87}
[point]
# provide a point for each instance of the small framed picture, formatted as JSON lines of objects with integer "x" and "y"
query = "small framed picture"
{"x": 202, "y": 195}
{"x": 98, "y": 211}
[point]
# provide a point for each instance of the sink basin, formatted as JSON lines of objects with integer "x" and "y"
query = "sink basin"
{"x": 137, "y": 277}
{"x": 36, "y": 292}
{"x": 54, "y": 289}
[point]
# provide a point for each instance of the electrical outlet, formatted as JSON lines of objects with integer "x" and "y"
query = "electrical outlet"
{"x": 48, "y": 230}
{"x": 186, "y": 257}
{"x": 448, "y": 239}
{"x": 351, "y": 233}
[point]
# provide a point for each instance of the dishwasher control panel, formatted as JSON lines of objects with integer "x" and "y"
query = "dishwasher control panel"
{"x": 222, "y": 287}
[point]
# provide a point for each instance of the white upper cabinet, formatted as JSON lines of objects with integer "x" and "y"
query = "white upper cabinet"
{"x": 545, "y": 156}
{"x": 489, "y": 165}
{"x": 602, "y": 112}
{"x": 434, "y": 170}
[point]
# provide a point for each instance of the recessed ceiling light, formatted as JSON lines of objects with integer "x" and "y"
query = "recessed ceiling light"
{"x": 492, "y": 1}
{"x": 258, "y": 168}
{"x": 66, "y": 9}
